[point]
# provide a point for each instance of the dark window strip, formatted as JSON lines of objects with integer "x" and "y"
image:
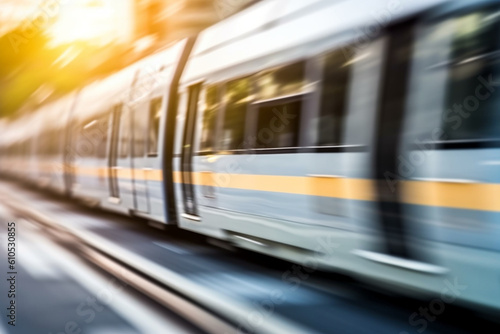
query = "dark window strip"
{"x": 292, "y": 150}
{"x": 457, "y": 145}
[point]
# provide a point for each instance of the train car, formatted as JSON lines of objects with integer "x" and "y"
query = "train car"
{"x": 91, "y": 124}
{"x": 46, "y": 168}
{"x": 342, "y": 135}
{"x": 314, "y": 132}
{"x": 103, "y": 144}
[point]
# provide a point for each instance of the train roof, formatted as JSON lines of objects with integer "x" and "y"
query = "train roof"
{"x": 288, "y": 29}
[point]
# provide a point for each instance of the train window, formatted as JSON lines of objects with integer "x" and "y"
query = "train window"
{"x": 139, "y": 131}
{"x": 278, "y": 123}
{"x": 124, "y": 132}
{"x": 154, "y": 125}
{"x": 25, "y": 148}
{"x": 471, "y": 105}
{"x": 93, "y": 138}
{"x": 45, "y": 144}
{"x": 54, "y": 143}
{"x": 42, "y": 144}
{"x": 82, "y": 145}
{"x": 207, "y": 139}
{"x": 50, "y": 143}
{"x": 334, "y": 96}
{"x": 287, "y": 80}
{"x": 281, "y": 94}
{"x": 101, "y": 140}
{"x": 236, "y": 98}
{"x": 60, "y": 141}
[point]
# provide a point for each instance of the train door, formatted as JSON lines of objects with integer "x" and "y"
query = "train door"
{"x": 388, "y": 237}
{"x": 206, "y": 159}
{"x": 450, "y": 153}
{"x": 188, "y": 187}
{"x": 140, "y": 165}
{"x": 121, "y": 191}
{"x": 114, "y": 193}
{"x": 153, "y": 165}
{"x": 221, "y": 152}
{"x": 341, "y": 132}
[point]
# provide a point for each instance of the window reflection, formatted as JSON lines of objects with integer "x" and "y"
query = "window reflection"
{"x": 154, "y": 125}
{"x": 284, "y": 81}
{"x": 334, "y": 97}
{"x": 209, "y": 118}
{"x": 237, "y": 96}
{"x": 470, "y": 110}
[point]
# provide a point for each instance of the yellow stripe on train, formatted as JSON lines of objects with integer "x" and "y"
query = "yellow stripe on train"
{"x": 473, "y": 196}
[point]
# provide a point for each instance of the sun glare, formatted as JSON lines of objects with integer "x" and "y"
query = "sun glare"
{"x": 96, "y": 21}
